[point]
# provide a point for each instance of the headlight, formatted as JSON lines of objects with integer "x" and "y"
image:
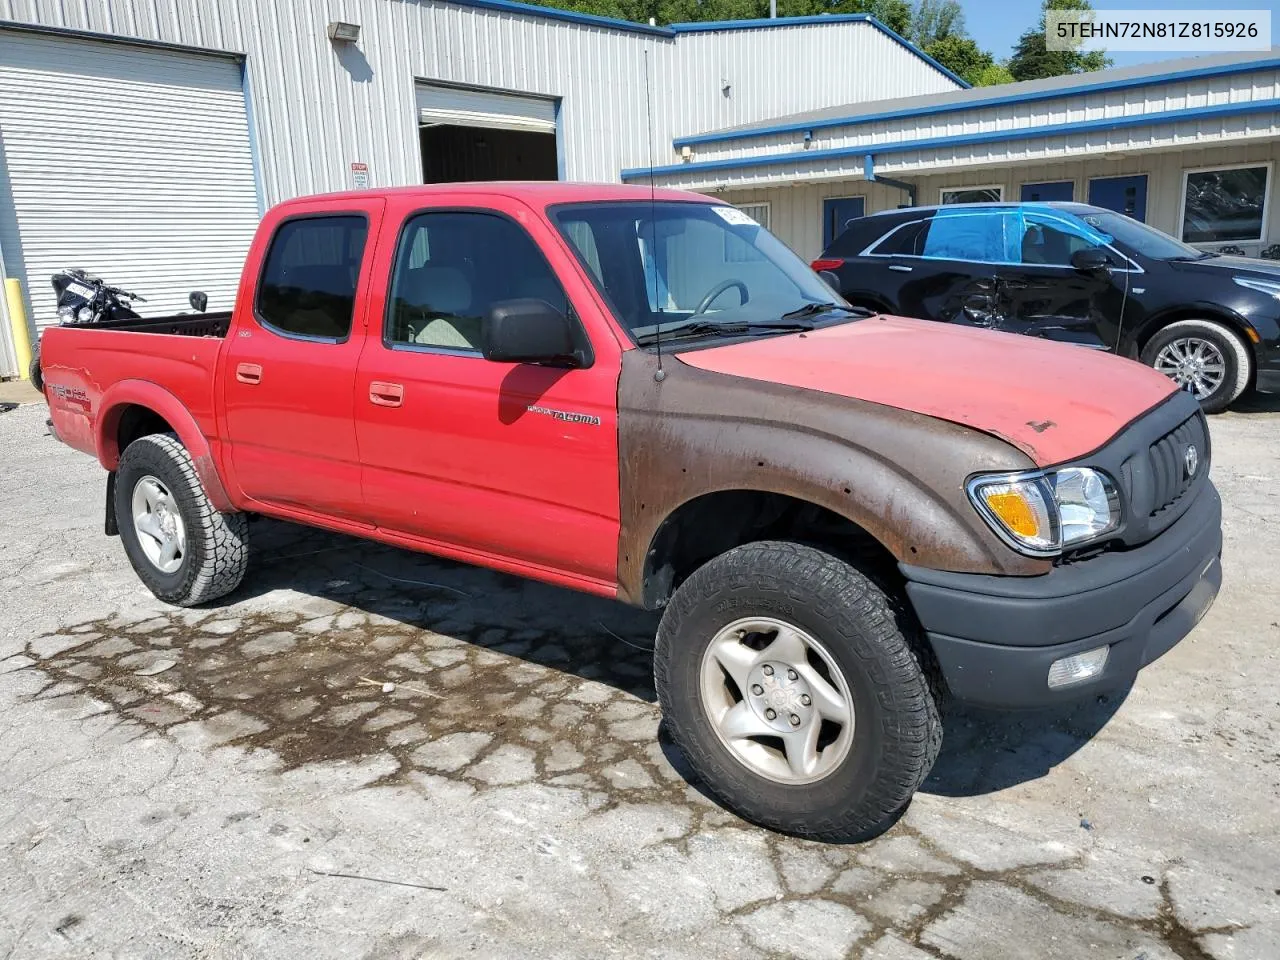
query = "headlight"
{"x": 85, "y": 315}
{"x": 66, "y": 311}
{"x": 1269, "y": 287}
{"x": 1041, "y": 513}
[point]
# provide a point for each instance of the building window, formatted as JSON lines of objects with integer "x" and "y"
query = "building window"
{"x": 991, "y": 194}
{"x": 737, "y": 250}
{"x": 1225, "y": 204}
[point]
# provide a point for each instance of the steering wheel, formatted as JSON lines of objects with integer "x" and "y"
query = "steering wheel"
{"x": 710, "y": 298}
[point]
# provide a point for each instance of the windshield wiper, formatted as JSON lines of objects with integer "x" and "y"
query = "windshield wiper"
{"x": 700, "y": 328}
{"x": 810, "y": 309}
{"x": 1202, "y": 255}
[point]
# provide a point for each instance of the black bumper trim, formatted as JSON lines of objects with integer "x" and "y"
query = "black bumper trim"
{"x": 995, "y": 648}
{"x": 1071, "y": 601}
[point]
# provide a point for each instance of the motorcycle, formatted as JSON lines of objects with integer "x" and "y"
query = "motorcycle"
{"x": 84, "y": 300}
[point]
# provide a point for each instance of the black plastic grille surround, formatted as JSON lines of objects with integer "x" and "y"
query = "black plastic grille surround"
{"x": 1148, "y": 460}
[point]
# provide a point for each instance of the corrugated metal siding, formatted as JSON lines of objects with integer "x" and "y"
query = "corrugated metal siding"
{"x": 1187, "y": 96}
{"x": 319, "y": 106}
{"x": 130, "y": 162}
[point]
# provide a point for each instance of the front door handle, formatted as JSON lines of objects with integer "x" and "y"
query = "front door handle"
{"x": 249, "y": 372}
{"x": 899, "y": 268}
{"x": 386, "y": 394}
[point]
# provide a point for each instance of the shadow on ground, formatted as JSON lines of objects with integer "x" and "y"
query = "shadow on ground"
{"x": 447, "y": 670}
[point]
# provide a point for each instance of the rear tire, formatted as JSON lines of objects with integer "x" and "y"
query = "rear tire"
{"x": 193, "y": 553}
{"x": 34, "y": 373}
{"x": 1229, "y": 361}
{"x": 853, "y": 649}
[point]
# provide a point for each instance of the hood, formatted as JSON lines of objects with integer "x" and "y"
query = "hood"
{"x": 1053, "y": 401}
{"x": 1246, "y": 266}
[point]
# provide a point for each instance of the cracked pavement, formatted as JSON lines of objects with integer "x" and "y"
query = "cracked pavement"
{"x": 369, "y": 753}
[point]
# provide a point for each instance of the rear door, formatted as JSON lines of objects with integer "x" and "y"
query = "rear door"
{"x": 947, "y": 266}
{"x": 497, "y": 459}
{"x": 1045, "y": 296}
{"x": 288, "y": 373}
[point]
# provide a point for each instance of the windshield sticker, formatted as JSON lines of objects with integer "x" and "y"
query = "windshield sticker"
{"x": 735, "y": 217}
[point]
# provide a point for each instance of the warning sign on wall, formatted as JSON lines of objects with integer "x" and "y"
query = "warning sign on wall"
{"x": 359, "y": 176}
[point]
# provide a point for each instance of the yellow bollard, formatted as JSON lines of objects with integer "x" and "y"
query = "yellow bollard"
{"x": 18, "y": 321}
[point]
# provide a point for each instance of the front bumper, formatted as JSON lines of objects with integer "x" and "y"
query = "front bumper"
{"x": 996, "y": 637}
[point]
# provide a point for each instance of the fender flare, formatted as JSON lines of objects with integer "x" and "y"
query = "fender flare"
{"x": 142, "y": 393}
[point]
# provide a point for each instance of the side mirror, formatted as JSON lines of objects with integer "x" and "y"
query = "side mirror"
{"x": 198, "y": 300}
{"x": 1090, "y": 260}
{"x": 529, "y": 331}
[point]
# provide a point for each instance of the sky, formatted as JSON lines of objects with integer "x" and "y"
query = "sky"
{"x": 997, "y": 24}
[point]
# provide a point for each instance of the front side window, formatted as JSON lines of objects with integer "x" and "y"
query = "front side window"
{"x": 452, "y": 268}
{"x": 1224, "y": 205}
{"x": 662, "y": 264}
{"x": 308, "y": 284}
{"x": 1048, "y": 241}
{"x": 971, "y": 195}
{"x": 990, "y": 237}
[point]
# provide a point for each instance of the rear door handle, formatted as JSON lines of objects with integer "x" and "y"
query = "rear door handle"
{"x": 899, "y": 268}
{"x": 249, "y": 372}
{"x": 386, "y": 394}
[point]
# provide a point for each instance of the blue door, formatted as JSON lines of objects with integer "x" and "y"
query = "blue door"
{"x": 836, "y": 214}
{"x": 1127, "y": 195}
{"x": 1060, "y": 190}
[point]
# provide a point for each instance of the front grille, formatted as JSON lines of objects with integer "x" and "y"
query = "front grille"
{"x": 1168, "y": 462}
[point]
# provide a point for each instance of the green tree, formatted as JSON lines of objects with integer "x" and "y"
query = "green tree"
{"x": 962, "y": 56}
{"x": 933, "y": 21}
{"x": 1033, "y": 60}
{"x": 991, "y": 76}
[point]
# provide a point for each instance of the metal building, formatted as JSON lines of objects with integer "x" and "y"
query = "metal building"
{"x": 142, "y": 140}
{"x": 1188, "y": 146}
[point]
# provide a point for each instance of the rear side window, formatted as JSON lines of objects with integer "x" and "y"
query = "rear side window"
{"x": 906, "y": 241}
{"x": 982, "y": 237}
{"x": 308, "y": 285}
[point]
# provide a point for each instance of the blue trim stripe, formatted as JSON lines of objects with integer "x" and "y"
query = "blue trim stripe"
{"x": 571, "y": 16}
{"x": 998, "y": 136}
{"x": 715, "y": 26}
{"x": 939, "y": 108}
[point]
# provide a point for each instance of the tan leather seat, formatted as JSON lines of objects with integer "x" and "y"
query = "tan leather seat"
{"x": 435, "y": 305}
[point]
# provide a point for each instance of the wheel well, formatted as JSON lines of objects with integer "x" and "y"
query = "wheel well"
{"x": 138, "y": 421}
{"x": 707, "y": 526}
{"x": 1189, "y": 313}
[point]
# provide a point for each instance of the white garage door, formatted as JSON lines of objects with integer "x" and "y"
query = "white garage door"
{"x": 130, "y": 162}
{"x": 470, "y": 107}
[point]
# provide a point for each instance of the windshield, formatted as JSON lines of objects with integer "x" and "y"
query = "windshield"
{"x": 1143, "y": 239}
{"x": 665, "y": 266}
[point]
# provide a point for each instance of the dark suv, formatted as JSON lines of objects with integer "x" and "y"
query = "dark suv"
{"x": 1075, "y": 273}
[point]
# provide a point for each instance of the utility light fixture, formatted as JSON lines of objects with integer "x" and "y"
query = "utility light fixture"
{"x": 340, "y": 32}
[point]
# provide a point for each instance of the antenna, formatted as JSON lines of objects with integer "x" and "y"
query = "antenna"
{"x": 661, "y": 374}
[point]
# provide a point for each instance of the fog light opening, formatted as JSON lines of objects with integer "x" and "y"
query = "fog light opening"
{"x": 1077, "y": 668}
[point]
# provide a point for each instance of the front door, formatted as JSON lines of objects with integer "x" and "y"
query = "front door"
{"x": 1045, "y": 296}
{"x": 836, "y": 214}
{"x": 1057, "y": 191}
{"x": 288, "y": 376}
{"x": 1127, "y": 195}
{"x": 503, "y": 460}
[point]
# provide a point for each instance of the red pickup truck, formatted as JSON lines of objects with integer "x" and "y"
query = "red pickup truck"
{"x": 845, "y": 517}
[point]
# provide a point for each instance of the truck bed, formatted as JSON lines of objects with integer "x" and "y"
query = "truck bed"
{"x": 213, "y": 324}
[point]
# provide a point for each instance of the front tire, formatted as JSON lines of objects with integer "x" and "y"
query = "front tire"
{"x": 788, "y": 682}
{"x": 34, "y": 373}
{"x": 178, "y": 543}
{"x": 1204, "y": 356}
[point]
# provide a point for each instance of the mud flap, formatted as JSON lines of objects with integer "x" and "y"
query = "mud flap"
{"x": 111, "y": 526}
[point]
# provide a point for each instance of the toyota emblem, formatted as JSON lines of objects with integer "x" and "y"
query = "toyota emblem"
{"x": 1191, "y": 460}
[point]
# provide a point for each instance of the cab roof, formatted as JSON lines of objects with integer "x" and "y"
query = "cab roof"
{"x": 536, "y": 193}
